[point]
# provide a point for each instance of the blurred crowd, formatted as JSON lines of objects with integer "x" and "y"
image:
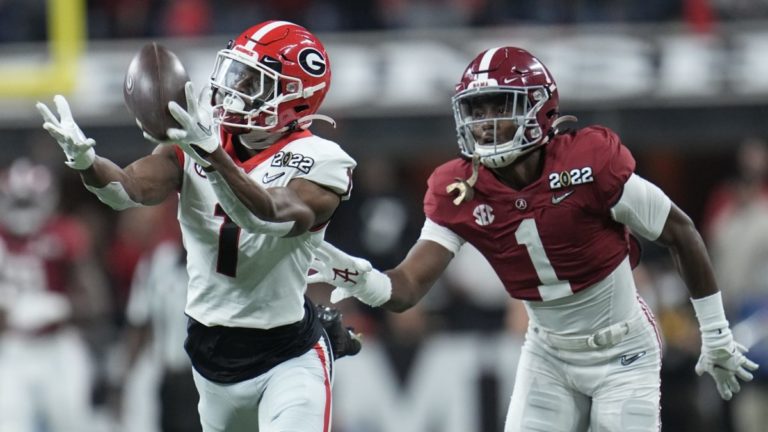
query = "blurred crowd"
{"x": 24, "y": 20}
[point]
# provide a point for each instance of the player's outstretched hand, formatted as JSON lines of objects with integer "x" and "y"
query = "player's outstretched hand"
{"x": 352, "y": 276}
{"x": 78, "y": 149}
{"x": 195, "y": 137}
{"x": 724, "y": 359}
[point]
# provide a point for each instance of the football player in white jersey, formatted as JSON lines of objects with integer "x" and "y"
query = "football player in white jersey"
{"x": 255, "y": 194}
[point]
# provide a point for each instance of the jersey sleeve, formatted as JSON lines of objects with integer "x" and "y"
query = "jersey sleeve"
{"x": 332, "y": 168}
{"x": 613, "y": 166}
{"x": 442, "y": 236}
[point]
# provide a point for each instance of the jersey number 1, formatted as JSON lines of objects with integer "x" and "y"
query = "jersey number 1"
{"x": 229, "y": 239}
{"x": 551, "y": 287}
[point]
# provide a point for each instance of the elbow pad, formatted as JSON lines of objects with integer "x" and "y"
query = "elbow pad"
{"x": 240, "y": 214}
{"x": 114, "y": 195}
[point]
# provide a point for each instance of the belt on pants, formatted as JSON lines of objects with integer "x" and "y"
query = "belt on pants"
{"x": 603, "y": 338}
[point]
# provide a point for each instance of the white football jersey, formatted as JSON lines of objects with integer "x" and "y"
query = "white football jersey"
{"x": 251, "y": 280}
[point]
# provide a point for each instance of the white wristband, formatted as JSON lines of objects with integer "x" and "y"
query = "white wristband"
{"x": 114, "y": 195}
{"x": 710, "y": 312}
{"x": 378, "y": 289}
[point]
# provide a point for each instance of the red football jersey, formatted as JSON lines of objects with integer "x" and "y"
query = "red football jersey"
{"x": 43, "y": 261}
{"x": 554, "y": 237}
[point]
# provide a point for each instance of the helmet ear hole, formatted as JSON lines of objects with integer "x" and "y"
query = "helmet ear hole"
{"x": 301, "y": 108}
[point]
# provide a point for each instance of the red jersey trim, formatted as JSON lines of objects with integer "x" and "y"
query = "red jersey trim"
{"x": 179, "y": 155}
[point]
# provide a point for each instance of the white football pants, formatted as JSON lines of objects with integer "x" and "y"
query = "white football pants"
{"x": 294, "y": 396}
{"x": 614, "y": 389}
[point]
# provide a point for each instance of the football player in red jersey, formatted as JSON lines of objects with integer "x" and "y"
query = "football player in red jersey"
{"x": 552, "y": 211}
{"x": 256, "y": 192}
{"x": 49, "y": 290}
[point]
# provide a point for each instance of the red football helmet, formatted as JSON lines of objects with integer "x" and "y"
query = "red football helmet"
{"x": 523, "y": 97}
{"x": 28, "y": 197}
{"x": 272, "y": 78}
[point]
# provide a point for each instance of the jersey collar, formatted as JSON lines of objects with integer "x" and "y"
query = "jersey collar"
{"x": 265, "y": 154}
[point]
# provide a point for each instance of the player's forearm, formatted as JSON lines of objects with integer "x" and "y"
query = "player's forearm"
{"x": 689, "y": 254}
{"x": 405, "y": 293}
{"x": 254, "y": 197}
{"x": 104, "y": 171}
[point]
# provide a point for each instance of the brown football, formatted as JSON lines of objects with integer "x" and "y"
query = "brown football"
{"x": 154, "y": 78}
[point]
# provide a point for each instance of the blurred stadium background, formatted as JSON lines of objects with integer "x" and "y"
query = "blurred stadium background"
{"x": 683, "y": 82}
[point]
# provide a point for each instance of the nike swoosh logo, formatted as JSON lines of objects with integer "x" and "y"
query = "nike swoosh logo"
{"x": 509, "y": 80}
{"x": 207, "y": 130}
{"x": 270, "y": 178}
{"x": 628, "y": 359}
{"x": 558, "y": 199}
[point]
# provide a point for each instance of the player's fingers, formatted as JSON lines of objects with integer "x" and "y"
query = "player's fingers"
{"x": 150, "y": 138}
{"x": 321, "y": 253}
{"x": 316, "y": 278}
{"x": 328, "y": 249}
{"x": 743, "y": 374}
{"x": 741, "y": 348}
{"x": 339, "y": 294}
{"x": 189, "y": 92}
{"x": 363, "y": 265}
{"x": 44, "y": 111}
{"x": 733, "y": 384}
{"x": 700, "y": 369}
{"x": 62, "y": 106}
{"x": 724, "y": 391}
{"x": 750, "y": 365}
{"x": 56, "y": 132}
{"x": 90, "y": 142}
{"x": 181, "y": 115}
{"x": 176, "y": 134}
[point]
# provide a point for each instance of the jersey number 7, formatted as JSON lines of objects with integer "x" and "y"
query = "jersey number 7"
{"x": 229, "y": 240}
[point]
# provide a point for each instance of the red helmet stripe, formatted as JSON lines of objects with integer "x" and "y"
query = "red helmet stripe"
{"x": 260, "y": 33}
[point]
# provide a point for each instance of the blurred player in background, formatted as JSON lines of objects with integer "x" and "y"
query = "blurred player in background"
{"x": 48, "y": 290}
{"x": 551, "y": 210}
{"x": 156, "y": 322}
{"x": 256, "y": 192}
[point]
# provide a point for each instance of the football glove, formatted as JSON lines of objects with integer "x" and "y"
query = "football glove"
{"x": 77, "y": 148}
{"x": 352, "y": 276}
{"x": 344, "y": 340}
{"x": 724, "y": 359}
{"x": 721, "y": 356}
{"x": 195, "y": 137}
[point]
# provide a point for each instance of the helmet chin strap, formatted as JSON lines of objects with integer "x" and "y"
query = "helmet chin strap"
{"x": 258, "y": 140}
{"x": 306, "y": 121}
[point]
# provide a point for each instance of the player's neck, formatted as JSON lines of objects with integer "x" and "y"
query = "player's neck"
{"x": 522, "y": 172}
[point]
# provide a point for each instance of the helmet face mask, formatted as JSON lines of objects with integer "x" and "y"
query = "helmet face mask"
{"x": 271, "y": 77}
{"x": 504, "y": 106}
